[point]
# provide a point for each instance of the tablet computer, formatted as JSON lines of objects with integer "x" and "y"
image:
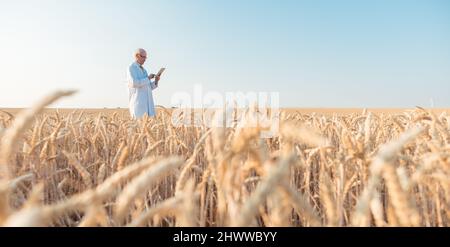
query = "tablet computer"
{"x": 160, "y": 71}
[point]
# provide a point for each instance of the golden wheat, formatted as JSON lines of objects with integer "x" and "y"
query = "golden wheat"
{"x": 61, "y": 168}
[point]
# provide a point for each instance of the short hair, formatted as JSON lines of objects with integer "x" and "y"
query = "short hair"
{"x": 138, "y": 51}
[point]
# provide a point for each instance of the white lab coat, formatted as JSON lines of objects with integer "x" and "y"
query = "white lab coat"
{"x": 140, "y": 91}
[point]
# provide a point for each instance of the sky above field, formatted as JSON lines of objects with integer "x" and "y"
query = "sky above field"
{"x": 380, "y": 53}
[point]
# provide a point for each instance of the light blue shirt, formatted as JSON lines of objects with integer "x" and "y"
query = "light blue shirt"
{"x": 140, "y": 91}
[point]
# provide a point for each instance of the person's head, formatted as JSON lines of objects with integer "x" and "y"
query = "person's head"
{"x": 140, "y": 55}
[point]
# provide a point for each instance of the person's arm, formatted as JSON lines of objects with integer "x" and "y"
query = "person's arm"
{"x": 134, "y": 81}
{"x": 153, "y": 84}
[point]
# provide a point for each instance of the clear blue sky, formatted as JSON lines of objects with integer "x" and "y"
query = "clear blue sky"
{"x": 380, "y": 53}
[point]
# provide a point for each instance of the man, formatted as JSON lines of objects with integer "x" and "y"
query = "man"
{"x": 140, "y": 87}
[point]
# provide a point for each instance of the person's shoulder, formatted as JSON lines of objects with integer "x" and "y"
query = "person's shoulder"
{"x": 133, "y": 65}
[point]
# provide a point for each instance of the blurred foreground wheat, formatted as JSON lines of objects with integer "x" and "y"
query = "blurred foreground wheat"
{"x": 360, "y": 169}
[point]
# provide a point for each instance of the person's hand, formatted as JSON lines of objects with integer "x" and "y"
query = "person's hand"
{"x": 157, "y": 78}
{"x": 151, "y": 76}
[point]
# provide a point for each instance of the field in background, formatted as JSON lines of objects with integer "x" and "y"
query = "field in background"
{"x": 379, "y": 167}
{"x": 324, "y": 111}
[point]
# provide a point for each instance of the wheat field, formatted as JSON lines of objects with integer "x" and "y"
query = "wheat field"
{"x": 357, "y": 168}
